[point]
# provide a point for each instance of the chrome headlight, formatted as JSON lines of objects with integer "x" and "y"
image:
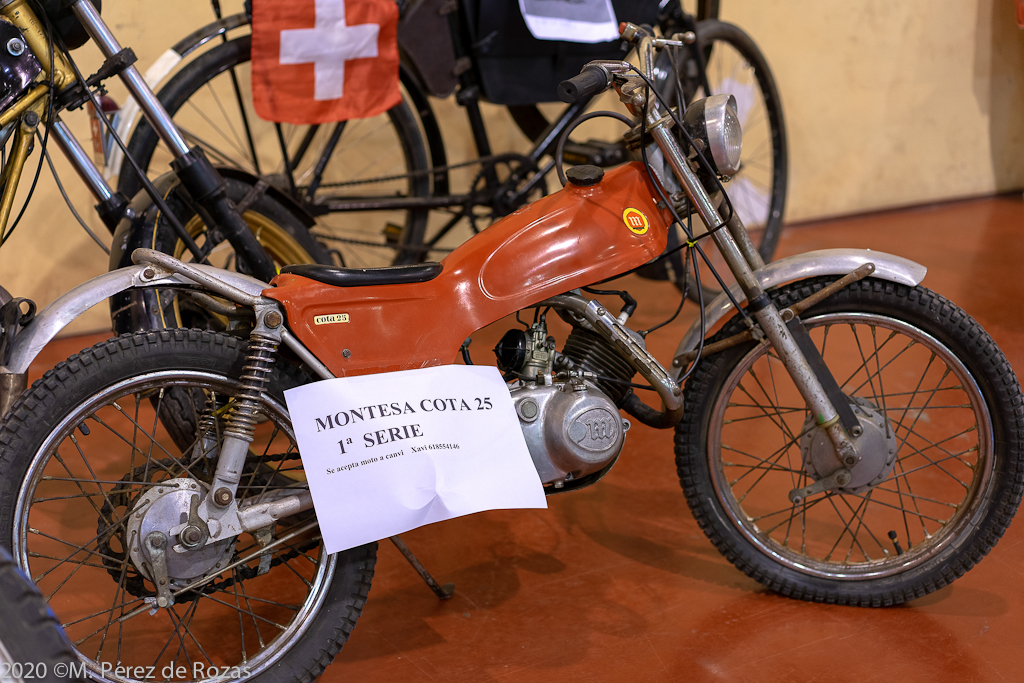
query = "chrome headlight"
{"x": 715, "y": 122}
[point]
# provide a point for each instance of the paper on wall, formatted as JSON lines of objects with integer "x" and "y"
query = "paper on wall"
{"x": 390, "y": 452}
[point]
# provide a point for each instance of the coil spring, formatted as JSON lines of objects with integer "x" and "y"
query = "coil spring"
{"x": 208, "y": 420}
{"x": 245, "y": 412}
{"x": 589, "y": 351}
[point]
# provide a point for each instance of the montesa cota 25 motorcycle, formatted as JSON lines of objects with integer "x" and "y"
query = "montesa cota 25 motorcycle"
{"x": 845, "y": 436}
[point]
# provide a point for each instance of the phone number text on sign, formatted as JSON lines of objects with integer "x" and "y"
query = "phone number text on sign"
{"x": 414, "y": 447}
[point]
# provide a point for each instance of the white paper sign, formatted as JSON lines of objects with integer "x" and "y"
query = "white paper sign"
{"x": 575, "y": 21}
{"x": 387, "y": 453}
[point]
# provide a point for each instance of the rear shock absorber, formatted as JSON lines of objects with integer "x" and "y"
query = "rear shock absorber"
{"x": 240, "y": 427}
{"x": 259, "y": 363}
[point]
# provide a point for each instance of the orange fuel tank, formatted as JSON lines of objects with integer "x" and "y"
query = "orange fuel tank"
{"x": 572, "y": 238}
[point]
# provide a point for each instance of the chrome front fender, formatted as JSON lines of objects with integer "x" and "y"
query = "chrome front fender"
{"x": 55, "y": 317}
{"x": 800, "y": 267}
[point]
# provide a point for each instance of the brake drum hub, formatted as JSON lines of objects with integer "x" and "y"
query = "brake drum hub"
{"x": 165, "y": 508}
{"x": 876, "y": 446}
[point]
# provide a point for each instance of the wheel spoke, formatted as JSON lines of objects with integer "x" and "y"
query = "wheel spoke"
{"x": 902, "y": 508}
{"x": 244, "y": 611}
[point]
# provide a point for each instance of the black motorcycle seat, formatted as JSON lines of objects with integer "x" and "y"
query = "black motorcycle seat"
{"x": 361, "y": 277}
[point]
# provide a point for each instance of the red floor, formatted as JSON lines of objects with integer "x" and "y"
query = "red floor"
{"x": 617, "y": 583}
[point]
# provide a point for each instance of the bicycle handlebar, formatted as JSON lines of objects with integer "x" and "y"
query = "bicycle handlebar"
{"x": 591, "y": 81}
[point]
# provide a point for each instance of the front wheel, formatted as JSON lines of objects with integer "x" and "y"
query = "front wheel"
{"x": 940, "y": 475}
{"x": 87, "y": 469}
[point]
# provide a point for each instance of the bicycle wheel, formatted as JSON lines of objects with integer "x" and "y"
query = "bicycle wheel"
{"x": 86, "y": 470}
{"x": 277, "y": 228}
{"x": 325, "y": 168}
{"x": 940, "y": 475}
{"x": 735, "y": 66}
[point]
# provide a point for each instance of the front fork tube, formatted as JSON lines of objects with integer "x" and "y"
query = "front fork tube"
{"x": 192, "y": 167}
{"x": 764, "y": 311}
{"x": 209, "y": 192}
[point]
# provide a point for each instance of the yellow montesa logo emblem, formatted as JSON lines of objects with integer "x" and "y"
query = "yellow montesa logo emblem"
{"x": 332, "y": 318}
{"x": 635, "y": 220}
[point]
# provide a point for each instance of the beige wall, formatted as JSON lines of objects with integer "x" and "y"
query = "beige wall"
{"x": 888, "y": 104}
{"x": 893, "y": 103}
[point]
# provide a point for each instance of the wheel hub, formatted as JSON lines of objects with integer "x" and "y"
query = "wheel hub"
{"x": 166, "y": 508}
{"x": 876, "y": 446}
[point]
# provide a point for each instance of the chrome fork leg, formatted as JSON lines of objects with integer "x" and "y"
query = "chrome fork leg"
{"x": 768, "y": 317}
{"x": 133, "y": 80}
{"x": 759, "y": 303}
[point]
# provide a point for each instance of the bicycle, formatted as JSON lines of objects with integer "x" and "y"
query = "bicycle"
{"x": 41, "y": 81}
{"x": 336, "y": 170}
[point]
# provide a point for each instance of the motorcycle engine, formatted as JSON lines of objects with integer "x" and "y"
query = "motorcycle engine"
{"x": 572, "y": 427}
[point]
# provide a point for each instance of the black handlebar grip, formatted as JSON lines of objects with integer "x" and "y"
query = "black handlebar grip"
{"x": 591, "y": 81}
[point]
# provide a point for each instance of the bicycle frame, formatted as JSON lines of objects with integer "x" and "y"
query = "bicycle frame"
{"x": 513, "y": 190}
{"x": 32, "y": 108}
{"x": 189, "y": 164}
{"x": 468, "y": 96}
{"x": 37, "y": 101}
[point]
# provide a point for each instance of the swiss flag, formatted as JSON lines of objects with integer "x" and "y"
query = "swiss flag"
{"x": 316, "y": 61}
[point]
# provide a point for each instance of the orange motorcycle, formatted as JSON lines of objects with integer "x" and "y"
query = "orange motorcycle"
{"x": 845, "y": 435}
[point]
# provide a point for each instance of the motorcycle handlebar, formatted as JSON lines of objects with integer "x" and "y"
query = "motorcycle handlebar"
{"x": 591, "y": 81}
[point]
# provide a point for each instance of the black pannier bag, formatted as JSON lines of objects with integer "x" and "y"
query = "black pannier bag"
{"x": 514, "y": 67}
{"x": 425, "y": 42}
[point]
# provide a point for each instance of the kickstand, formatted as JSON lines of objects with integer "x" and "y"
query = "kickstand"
{"x": 444, "y": 592}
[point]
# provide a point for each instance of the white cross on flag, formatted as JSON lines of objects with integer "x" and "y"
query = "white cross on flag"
{"x": 315, "y": 61}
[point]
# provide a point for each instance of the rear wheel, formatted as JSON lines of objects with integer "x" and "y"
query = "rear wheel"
{"x": 86, "y": 469}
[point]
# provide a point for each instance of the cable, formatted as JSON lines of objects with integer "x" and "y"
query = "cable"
{"x": 687, "y": 228}
{"x": 71, "y": 206}
{"x": 161, "y": 205}
{"x": 42, "y": 151}
{"x": 572, "y": 126}
{"x": 465, "y": 351}
{"x": 661, "y": 193}
{"x": 686, "y": 292}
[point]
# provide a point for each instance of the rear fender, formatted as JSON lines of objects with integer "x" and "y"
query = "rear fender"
{"x": 55, "y": 317}
{"x": 800, "y": 267}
